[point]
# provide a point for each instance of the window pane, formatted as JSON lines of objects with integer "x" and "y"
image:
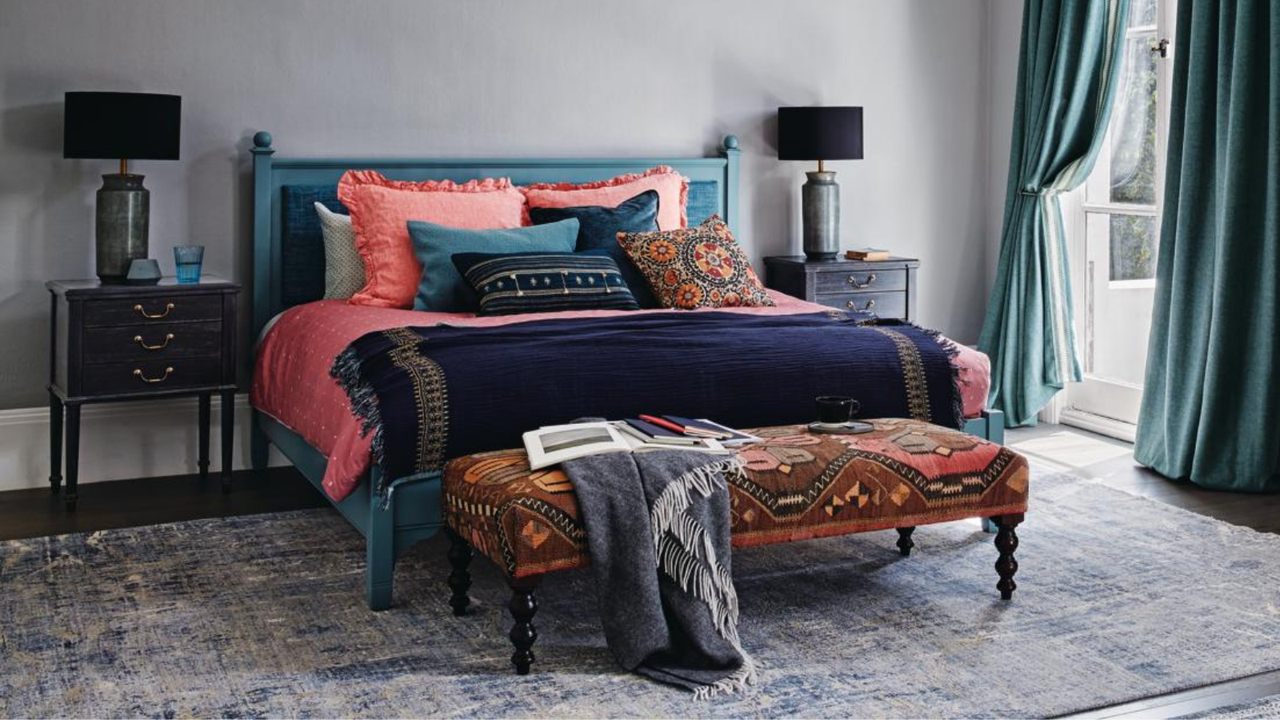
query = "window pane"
{"x": 1133, "y": 125}
{"x": 1133, "y": 247}
{"x": 1142, "y": 12}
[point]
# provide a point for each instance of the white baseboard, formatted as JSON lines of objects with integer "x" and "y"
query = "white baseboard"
{"x": 120, "y": 440}
{"x": 1102, "y": 425}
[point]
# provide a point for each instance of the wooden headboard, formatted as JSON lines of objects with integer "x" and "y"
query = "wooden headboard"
{"x": 288, "y": 257}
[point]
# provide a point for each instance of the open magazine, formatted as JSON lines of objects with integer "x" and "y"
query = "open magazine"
{"x": 554, "y": 444}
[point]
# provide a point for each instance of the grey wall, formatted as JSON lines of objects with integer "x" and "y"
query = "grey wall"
{"x": 1004, "y": 38}
{"x": 560, "y": 77}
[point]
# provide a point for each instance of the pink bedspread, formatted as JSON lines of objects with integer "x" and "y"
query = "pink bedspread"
{"x": 291, "y": 380}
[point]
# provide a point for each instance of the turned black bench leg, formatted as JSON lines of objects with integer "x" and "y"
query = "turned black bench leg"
{"x": 905, "y": 543}
{"x": 523, "y": 634}
{"x": 460, "y": 555}
{"x": 1007, "y": 544}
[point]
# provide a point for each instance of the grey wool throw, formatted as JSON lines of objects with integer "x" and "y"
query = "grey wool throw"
{"x": 658, "y": 535}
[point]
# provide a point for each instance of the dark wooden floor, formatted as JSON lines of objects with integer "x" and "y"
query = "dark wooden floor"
{"x": 130, "y": 503}
{"x": 148, "y": 501}
{"x": 1111, "y": 463}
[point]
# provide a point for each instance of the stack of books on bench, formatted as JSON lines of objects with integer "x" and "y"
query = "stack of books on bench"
{"x": 548, "y": 446}
{"x": 671, "y": 430}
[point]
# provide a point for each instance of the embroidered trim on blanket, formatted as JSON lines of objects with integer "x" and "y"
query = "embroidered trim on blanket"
{"x": 431, "y": 399}
{"x": 912, "y": 373}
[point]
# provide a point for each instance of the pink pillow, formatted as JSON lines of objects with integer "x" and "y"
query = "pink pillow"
{"x": 380, "y": 212}
{"x": 672, "y": 187}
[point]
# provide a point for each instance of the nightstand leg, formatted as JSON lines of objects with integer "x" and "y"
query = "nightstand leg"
{"x": 203, "y": 462}
{"x": 228, "y": 436}
{"x": 55, "y": 443}
{"x": 73, "y": 456}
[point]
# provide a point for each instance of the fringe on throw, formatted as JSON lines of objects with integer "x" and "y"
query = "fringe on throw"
{"x": 952, "y": 350}
{"x": 687, "y": 555}
{"x": 364, "y": 401}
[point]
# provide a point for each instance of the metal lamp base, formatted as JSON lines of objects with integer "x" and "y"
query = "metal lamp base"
{"x": 123, "y": 211}
{"x": 820, "y": 200}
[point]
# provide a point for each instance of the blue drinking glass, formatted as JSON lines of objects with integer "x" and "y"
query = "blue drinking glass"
{"x": 188, "y": 259}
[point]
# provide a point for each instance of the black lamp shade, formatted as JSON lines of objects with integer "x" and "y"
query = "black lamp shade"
{"x": 819, "y": 133}
{"x": 115, "y": 125}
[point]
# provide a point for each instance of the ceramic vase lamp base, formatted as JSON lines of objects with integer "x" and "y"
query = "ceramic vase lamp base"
{"x": 123, "y": 210}
{"x": 820, "y": 200}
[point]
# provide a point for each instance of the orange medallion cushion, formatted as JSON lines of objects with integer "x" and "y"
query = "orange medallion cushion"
{"x": 693, "y": 268}
{"x": 796, "y": 485}
{"x": 672, "y": 188}
{"x": 380, "y": 212}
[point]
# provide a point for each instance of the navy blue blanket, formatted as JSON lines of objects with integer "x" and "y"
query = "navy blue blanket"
{"x": 430, "y": 394}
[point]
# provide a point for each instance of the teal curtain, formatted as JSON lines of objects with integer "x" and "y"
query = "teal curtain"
{"x": 1067, "y": 75}
{"x": 1212, "y": 390}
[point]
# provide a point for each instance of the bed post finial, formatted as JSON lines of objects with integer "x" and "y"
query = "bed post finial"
{"x": 261, "y": 140}
{"x": 731, "y": 153}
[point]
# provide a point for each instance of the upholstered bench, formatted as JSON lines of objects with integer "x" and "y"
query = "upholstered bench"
{"x": 796, "y": 486}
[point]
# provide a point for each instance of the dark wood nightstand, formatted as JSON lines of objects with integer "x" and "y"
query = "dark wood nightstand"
{"x": 886, "y": 288}
{"x": 130, "y": 342}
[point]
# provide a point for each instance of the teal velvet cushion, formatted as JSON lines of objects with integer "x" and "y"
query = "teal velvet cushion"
{"x": 599, "y": 231}
{"x": 533, "y": 282}
{"x": 442, "y": 288}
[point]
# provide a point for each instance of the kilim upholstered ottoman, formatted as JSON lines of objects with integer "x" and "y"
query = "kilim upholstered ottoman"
{"x": 796, "y": 485}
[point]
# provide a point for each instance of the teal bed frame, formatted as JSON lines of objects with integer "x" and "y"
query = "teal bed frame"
{"x": 410, "y": 512}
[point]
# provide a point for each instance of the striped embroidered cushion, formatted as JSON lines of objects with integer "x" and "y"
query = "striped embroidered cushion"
{"x": 514, "y": 283}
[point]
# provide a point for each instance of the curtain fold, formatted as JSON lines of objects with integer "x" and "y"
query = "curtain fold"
{"x": 1067, "y": 76}
{"x": 1212, "y": 386}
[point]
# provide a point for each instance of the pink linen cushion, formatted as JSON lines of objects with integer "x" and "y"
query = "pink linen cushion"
{"x": 380, "y": 212}
{"x": 672, "y": 188}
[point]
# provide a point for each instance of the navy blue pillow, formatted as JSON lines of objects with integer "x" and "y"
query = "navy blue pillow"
{"x": 514, "y": 283}
{"x": 598, "y": 229}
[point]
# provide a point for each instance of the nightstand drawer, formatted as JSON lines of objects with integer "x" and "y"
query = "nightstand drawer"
{"x": 147, "y": 376}
{"x": 153, "y": 309}
{"x": 886, "y": 305}
{"x": 847, "y": 281}
{"x": 157, "y": 341}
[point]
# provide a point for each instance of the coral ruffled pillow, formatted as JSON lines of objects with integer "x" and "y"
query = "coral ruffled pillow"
{"x": 381, "y": 210}
{"x": 694, "y": 268}
{"x": 672, "y": 188}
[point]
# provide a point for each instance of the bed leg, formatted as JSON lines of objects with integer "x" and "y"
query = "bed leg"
{"x": 1007, "y": 544}
{"x": 380, "y": 549}
{"x": 259, "y": 445}
{"x": 523, "y": 634}
{"x": 460, "y": 555}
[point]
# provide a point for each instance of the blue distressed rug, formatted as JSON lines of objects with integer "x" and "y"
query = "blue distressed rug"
{"x": 1119, "y": 598}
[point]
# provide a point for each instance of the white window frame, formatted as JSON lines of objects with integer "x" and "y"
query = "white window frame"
{"x": 1076, "y": 209}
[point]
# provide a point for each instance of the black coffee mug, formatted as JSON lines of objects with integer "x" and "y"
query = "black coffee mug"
{"x": 835, "y": 409}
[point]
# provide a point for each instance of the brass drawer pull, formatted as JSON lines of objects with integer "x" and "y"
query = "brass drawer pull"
{"x": 137, "y": 372}
{"x": 168, "y": 308}
{"x": 865, "y": 284}
{"x": 142, "y": 344}
{"x": 854, "y": 306}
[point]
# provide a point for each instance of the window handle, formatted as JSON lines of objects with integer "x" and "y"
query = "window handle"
{"x": 1161, "y": 47}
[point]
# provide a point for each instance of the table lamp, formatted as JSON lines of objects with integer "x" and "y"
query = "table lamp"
{"x": 121, "y": 126}
{"x": 820, "y": 133}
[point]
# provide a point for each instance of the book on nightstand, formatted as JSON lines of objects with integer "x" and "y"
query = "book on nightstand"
{"x": 867, "y": 254}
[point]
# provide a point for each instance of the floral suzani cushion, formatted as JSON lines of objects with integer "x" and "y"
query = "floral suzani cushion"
{"x": 698, "y": 267}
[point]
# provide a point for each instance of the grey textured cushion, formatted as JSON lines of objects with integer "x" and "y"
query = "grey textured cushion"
{"x": 343, "y": 267}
